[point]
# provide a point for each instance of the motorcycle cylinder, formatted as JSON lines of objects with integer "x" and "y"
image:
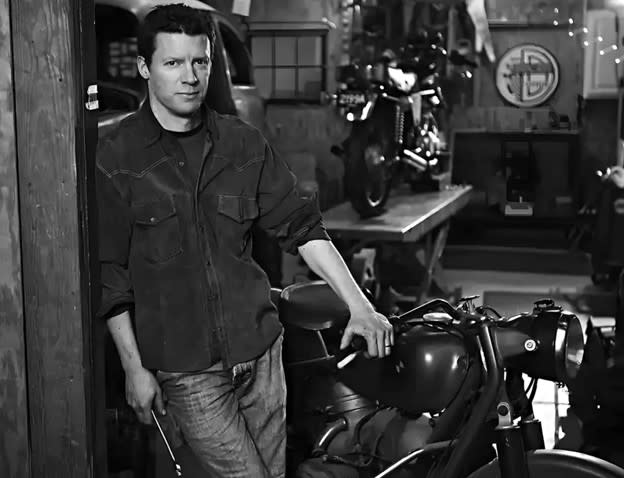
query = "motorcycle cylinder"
{"x": 424, "y": 373}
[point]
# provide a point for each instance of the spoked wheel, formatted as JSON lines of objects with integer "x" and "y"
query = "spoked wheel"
{"x": 367, "y": 171}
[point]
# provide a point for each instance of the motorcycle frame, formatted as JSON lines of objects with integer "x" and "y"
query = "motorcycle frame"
{"x": 512, "y": 460}
{"x": 524, "y": 440}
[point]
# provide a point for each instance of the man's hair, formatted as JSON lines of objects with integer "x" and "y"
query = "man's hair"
{"x": 173, "y": 18}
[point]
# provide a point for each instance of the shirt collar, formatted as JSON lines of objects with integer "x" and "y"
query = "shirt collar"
{"x": 153, "y": 129}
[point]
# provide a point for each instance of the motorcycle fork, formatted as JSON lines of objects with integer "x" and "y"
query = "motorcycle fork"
{"x": 512, "y": 459}
{"x": 532, "y": 434}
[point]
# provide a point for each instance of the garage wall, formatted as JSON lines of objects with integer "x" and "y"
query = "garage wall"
{"x": 566, "y": 51}
{"x": 304, "y": 133}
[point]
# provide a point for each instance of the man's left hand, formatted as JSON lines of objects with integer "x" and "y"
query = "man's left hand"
{"x": 372, "y": 327}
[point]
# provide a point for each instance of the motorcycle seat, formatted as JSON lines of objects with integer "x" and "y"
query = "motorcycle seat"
{"x": 312, "y": 306}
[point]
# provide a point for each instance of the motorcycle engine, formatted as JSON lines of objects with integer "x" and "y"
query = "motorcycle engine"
{"x": 424, "y": 373}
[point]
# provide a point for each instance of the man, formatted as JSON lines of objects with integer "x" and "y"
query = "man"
{"x": 179, "y": 188}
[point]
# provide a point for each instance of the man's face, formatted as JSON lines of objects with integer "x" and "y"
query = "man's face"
{"x": 177, "y": 78}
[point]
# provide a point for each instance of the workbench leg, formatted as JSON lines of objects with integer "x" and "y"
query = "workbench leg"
{"x": 434, "y": 247}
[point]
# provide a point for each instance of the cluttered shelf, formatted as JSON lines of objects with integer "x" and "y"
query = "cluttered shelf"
{"x": 520, "y": 177}
{"x": 518, "y": 133}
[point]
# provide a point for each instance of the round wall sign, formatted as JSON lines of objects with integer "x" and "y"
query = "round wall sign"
{"x": 527, "y": 75}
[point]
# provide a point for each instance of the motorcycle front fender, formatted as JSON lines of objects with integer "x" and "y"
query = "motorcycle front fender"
{"x": 558, "y": 464}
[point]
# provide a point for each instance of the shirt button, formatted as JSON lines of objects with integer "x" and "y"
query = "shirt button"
{"x": 180, "y": 163}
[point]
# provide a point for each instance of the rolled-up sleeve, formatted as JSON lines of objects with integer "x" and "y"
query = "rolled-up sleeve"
{"x": 114, "y": 233}
{"x": 284, "y": 213}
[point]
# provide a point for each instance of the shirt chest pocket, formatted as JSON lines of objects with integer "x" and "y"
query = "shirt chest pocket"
{"x": 236, "y": 215}
{"x": 157, "y": 229}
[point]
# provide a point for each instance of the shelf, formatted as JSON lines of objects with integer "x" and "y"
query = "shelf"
{"x": 482, "y": 215}
{"x": 515, "y": 132}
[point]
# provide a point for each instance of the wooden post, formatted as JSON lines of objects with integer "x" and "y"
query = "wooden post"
{"x": 53, "y": 63}
{"x": 14, "y": 460}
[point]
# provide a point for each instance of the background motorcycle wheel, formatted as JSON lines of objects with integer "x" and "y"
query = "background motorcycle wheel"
{"x": 558, "y": 464}
{"x": 367, "y": 170}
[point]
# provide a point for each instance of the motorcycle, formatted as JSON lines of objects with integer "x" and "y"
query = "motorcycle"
{"x": 393, "y": 106}
{"x": 452, "y": 387}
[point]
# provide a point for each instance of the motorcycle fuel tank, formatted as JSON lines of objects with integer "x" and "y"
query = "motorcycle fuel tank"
{"x": 424, "y": 373}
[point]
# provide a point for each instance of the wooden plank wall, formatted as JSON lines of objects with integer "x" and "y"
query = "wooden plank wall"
{"x": 14, "y": 460}
{"x": 49, "y": 86}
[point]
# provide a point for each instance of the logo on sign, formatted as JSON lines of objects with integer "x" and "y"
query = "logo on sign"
{"x": 527, "y": 75}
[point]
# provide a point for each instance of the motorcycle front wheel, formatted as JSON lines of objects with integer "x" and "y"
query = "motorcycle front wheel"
{"x": 558, "y": 464}
{"x": 367, "y": 171}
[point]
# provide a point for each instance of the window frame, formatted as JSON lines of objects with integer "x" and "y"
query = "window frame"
{"x": 290, "y": 30}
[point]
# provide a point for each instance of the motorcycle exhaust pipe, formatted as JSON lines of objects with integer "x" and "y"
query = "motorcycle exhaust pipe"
{"x": 321, "y": 445}
{"x": 417, "y": 161}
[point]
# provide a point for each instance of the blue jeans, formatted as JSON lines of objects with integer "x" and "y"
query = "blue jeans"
{"x": 234, "y": 420}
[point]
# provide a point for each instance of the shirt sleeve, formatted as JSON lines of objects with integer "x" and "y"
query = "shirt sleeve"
{"x": 285, "y": 214}
{"x": 114, "y": 232}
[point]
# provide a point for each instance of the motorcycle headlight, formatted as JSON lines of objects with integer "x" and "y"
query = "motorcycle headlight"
{"x": 558, "y": 336}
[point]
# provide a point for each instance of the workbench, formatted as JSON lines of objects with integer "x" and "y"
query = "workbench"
{"x": 420, "y": 219}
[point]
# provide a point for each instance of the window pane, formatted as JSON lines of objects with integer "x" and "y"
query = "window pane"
{"x": 309, "y": 49}
{"x": 264, "y": 81}
{"x": 285, "y": 83}
{"x": 262, "y": 51}
{"x": 310, "y": 82}
{"x": 285, "y": 50}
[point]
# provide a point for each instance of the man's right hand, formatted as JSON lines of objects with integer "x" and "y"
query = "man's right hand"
{"x": 143, "y": 393}
{"x": 617, "y": 176}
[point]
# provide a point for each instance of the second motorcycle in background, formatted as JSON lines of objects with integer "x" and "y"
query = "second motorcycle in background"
{"x": 394, "y": 107}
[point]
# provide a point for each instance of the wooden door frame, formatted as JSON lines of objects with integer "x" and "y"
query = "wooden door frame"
{"x": 53, "y": 64}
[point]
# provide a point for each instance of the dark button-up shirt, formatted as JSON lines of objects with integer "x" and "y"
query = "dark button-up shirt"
{"x": 177, "y": 248}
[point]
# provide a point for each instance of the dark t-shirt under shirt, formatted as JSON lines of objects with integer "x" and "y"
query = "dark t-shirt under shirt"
{"x": 192, "y": 143}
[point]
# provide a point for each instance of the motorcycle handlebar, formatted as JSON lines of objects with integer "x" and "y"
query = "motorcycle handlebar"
{"x": 435, "y": 305}
{"x": 345, "y": 356}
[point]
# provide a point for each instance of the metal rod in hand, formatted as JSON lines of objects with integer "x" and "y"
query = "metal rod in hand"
{"x": 178, "y": 468}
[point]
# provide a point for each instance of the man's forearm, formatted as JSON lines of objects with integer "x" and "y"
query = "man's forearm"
{"x": 325, "y": 261}
{"x": 120, "y": 327}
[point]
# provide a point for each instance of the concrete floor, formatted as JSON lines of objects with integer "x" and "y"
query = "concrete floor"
{"x": 551, "y": 401}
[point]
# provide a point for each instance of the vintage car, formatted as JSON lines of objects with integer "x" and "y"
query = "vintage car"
{"x": 120, "y": 88}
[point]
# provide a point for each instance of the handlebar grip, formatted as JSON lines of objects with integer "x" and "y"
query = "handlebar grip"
{"x": 358, "y": 343}
{"x": 346, "y": 356}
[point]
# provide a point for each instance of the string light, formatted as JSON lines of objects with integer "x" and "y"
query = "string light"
{"x": 584, "y": 30}
{"x": 611, "y": 48}
{"x": 598, "y": 39}
{"x": 619, "y": 59}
